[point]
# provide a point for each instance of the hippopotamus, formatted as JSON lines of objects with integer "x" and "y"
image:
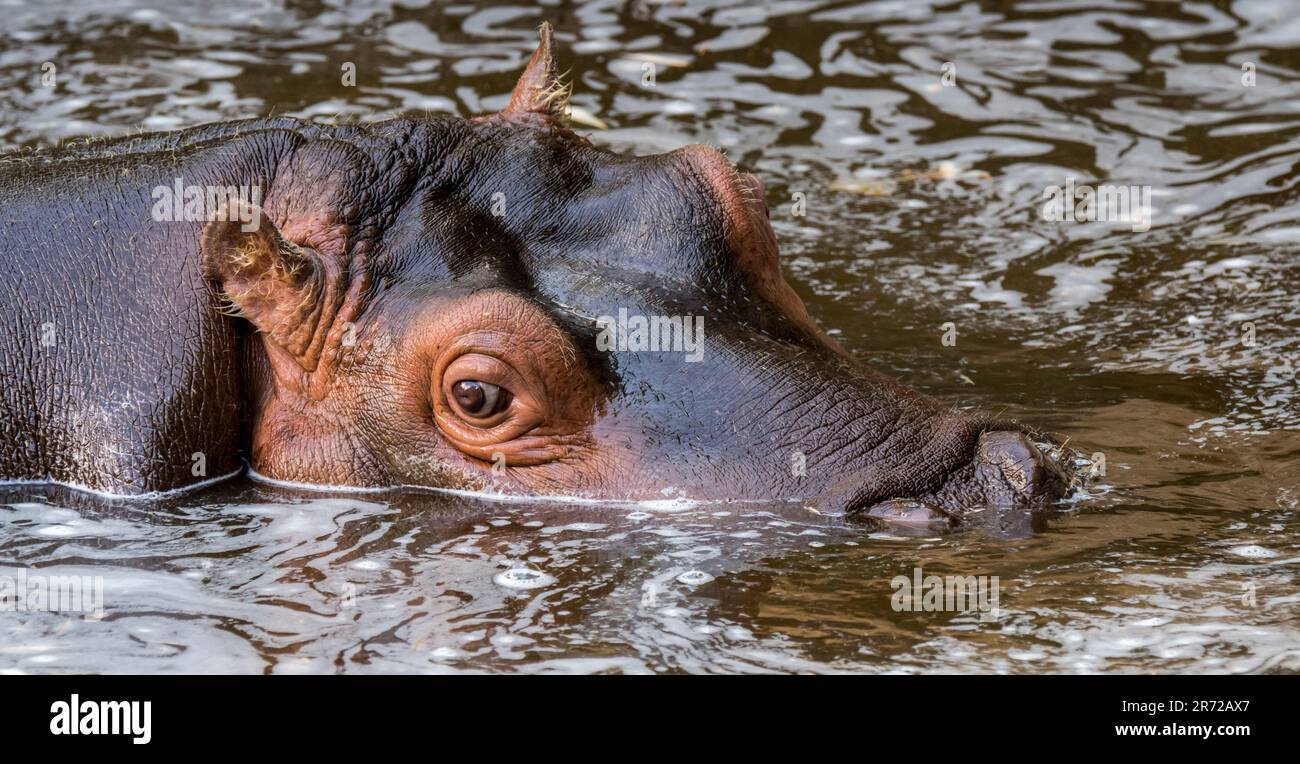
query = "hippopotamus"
{"x": 486, "y": 304}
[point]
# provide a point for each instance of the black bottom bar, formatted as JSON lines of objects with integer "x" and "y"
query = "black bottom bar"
{"x": 207, "y": 714}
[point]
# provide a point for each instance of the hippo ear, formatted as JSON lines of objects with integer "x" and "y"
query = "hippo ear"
{"x": 541, "y": 89}
{"x": 283, "y": 289}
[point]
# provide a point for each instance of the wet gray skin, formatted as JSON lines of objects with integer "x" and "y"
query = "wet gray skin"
{"x": 1167, "y": 355}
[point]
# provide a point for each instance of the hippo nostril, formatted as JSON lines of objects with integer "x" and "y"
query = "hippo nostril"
{"x": 1012, "y": 453}
{"x": 1020, "y": 465}
{"x": 910, "y": 512}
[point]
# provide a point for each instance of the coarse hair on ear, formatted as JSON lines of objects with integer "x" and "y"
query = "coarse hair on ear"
{"x": 278, "y": 286}
{"x": 541, "y": 89}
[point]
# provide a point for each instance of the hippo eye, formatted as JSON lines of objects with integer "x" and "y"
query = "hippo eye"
{"x": 479, "y": 399}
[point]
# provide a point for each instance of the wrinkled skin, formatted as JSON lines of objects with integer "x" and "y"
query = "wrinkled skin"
{"x": 401, "y": 276}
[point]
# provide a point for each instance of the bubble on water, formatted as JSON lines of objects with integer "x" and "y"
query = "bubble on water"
{"x": 511, "y": 640}
{"x": 638, "y": 516}
{"x": 204, "y": 69}
{"x": 523, "y": 578}
{"x": 1254, "y": 551}
{"x": 667, "y": 505}
{"x": 56, "y": 531}
{"x": 579, "y": 527}
{"x": 694, "y": 578}
{"x": 1026, "y": 655}
{"x": 446, "y": 654}
{"x": 367, "y": 565}
{"x": 738, "y": 633}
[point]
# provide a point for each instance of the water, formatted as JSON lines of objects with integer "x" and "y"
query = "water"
{"x": 923, "y": 208}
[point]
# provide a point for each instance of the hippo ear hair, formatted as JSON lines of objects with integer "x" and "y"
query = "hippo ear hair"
{"x": 283, "y": 289}
{"x": 541, "y": 89}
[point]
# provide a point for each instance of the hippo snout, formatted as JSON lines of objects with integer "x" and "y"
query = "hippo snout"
{"x": 1006, "y": 470}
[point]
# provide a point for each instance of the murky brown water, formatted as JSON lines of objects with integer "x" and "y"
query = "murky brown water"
{"x": 922, "y": 208}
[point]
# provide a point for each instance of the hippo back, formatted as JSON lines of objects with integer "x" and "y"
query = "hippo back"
{"x": 117, "y": 371}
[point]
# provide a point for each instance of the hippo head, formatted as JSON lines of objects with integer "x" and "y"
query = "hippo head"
{"x": 510, "y": 307}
